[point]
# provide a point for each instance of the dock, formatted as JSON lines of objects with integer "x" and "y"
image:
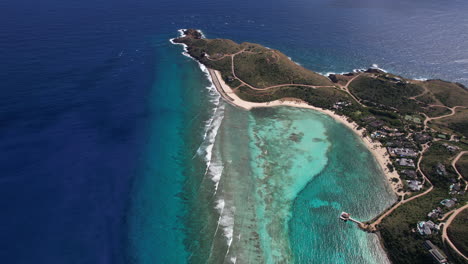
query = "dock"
{"x": 347, "y": 217}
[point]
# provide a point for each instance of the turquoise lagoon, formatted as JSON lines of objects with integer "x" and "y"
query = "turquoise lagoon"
{"x": 281, "y": 177}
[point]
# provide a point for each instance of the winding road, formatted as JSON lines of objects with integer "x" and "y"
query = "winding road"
{"x": 445, "y": 237}
{"x": 454, "y": 162}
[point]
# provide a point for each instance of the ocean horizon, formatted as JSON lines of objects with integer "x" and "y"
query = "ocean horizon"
{"x": 118, "y": 149}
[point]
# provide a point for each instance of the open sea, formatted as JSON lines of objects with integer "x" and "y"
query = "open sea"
{"x": 115, "y": 147}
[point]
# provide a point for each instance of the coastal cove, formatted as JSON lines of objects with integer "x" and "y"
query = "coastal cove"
{"x": 247, "y": 216}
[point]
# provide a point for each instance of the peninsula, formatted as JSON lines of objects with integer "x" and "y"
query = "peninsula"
{"x": 417, "y": 131}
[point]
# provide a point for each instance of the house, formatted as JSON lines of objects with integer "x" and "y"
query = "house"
{"x": 414, "y": 185}
{"x": 426, "y": 228}
{"x": 340, "y": 105}
{"x": 376, "y": 123}
{"x": 440, "y": 169}
{"x": 435, "y": 252}
{"x": 435, "y": 213}
{"x": 397, "y": 134}
{"x": 455, "y": 187}
{"x": 448, "y": 202}
{"x": 390, "y": 130}
{"x": 406, "y": 162}
{"x": 450, "y": 147}
{"x": 402, "y": 152}
{"x": 422, "y": 137}
{"x": 410, "y": 173}
{"x": 379, "y": 134}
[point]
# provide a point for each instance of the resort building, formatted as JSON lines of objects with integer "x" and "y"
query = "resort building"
{"x": 406, "y": 162}
{"x": 448, "y": 202}
{"x": 414, "y": 186}
{"x": 425, "y": 228}
{"x": 402, "y": 152}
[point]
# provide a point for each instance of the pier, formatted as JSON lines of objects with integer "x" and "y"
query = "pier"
{"x": 347, "y": 217}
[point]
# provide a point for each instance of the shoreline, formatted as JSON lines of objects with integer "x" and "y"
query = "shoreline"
{"x": 378, "y": 151}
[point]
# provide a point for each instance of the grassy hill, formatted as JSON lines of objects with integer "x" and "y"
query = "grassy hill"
{"x": 447, "y": 93}
{"x": 456, "y": 123}
{"x": 380, "y": 90}
{"x": 266, "y": 67}
{"x": 254, "y": 64}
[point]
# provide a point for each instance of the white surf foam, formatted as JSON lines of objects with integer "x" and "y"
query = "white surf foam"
{"x": 326, "y": 74}
{"x": 212, "y": 124}
{"x": 461, "y": 61}
{"x": 421, "y": 79}
{"x": 214, "y": 168}
{"x": 294, "y": 61}
{"x": 226, "y": 220}
{"x": 376, "y": 66}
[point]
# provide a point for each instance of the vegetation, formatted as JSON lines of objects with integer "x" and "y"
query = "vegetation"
{"x": 462, "y": 165}
{"x": 433, "y": 111}
{"x": 458, "y": 232}
{"x": 267, "y": 67}
{"x": 457, "y": 123}
{"x": 392, "y": 94}
{"x": 447, "y": 93}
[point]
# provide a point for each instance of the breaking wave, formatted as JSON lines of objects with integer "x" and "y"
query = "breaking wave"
{"x": 214, "y": 166}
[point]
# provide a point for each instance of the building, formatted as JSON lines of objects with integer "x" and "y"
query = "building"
{"x": 435, "y": 252}
{"x": 448, "y": 202}
{"x": 426, "y": 228}
{"x": 379, "y": 134}
{"x": 422, "y": 137}
{"x": 376, "y": 123}
{"x": 414, "y": 186}
{"x": 410, "y": 174}
{"x": 389, "y": 129}
{"x": 402, "y": 152}
{"x": 440, "y": 169}
{"x": 454, "y": 188}
{"x": 450, "y": 147}
{"x": 406, "y": 162}
{"x": 435, "y": 213}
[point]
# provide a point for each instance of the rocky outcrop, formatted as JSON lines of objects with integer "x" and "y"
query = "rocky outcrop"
{"x": 189, "y": 34}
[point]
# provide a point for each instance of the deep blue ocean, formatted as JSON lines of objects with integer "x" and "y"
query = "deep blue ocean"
{"x": 98, "y": 110}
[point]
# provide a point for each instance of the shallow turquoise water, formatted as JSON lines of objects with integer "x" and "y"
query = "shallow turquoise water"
{"x": 285, "y": 175}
